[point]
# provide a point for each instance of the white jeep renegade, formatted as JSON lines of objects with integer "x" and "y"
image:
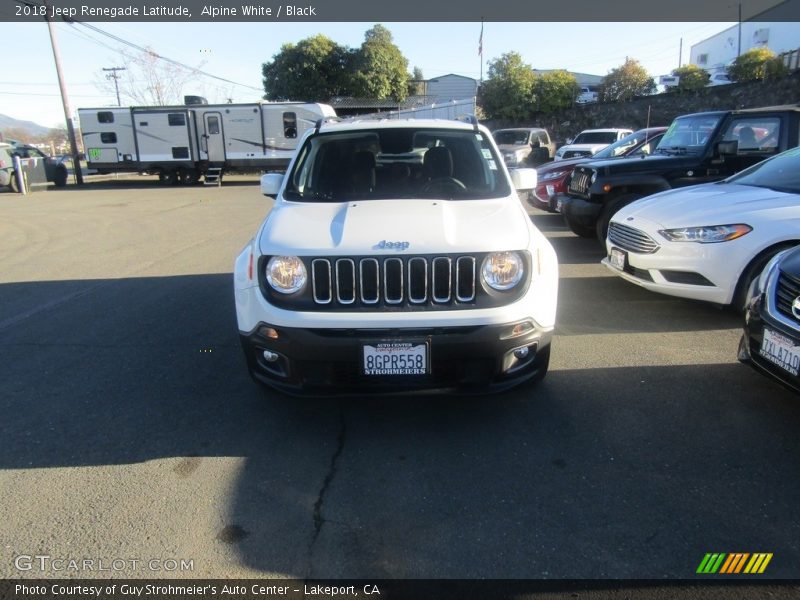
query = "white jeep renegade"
{"x": 397, "y": 257}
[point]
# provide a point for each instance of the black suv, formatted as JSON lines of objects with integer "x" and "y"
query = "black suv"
{"x": 697, "y": 148}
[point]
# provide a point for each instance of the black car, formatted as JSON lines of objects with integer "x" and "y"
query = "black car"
{"x": 771, "y": 340}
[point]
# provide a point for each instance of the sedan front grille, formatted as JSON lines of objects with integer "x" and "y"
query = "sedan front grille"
{"x": 416, "y": 280}
{"x": 631, "y": 239}
{"x": 788, "y": 289}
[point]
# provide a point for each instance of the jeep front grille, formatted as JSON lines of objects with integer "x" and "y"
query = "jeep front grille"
{"x": 393, "y": 280}
{"x": 631, "y": 239}
{"x": 580, "y": 182}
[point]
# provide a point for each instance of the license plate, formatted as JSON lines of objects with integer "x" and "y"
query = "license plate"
{"x": 618, "y": 258}
{"x": 559, "y": 202}
{"x": 780, "y": 350}
{"x": 396, "y": 358}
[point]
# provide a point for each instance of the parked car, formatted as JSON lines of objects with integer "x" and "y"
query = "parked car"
{"x": 552, "y": 178}
{"x": 697, "y": 148}
{"x": 709, "y": 242}
{"x": 6, "y": 166}
{"x": 54, "y": 168}
{"x": 586, "y": 96}
{"x": 590, "y": 141}
{"x": 719, "y": 79}
{"x": 771, "y": 339}
{"x": 522, "y": 147}
{"x": 378, "y": 275}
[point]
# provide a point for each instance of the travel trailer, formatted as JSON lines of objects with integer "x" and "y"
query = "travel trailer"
{"x": 182, "y": 144}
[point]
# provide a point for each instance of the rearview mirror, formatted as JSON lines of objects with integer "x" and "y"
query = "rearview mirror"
{"x": 523, "y": 179}
{"x": 271, "y": 184}
{"x": 728, "y": 148}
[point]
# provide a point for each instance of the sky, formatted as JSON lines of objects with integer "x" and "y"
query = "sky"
{"x": 235, "y": 51}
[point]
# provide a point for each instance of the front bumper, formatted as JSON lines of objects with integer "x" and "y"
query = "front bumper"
{"x": 758, "y": 318}
{"x": 463, "y": 359}
{"x": 579, "y": 210}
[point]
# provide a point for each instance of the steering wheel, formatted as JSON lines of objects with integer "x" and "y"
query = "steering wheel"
{"x": 443, "y": 185}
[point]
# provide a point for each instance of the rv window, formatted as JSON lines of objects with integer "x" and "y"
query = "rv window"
{"x": 108, "y": 137}
{"x": 289, "y": 125}
{"x": 213, "y": 125}
{"x": 105, "y": 117}
{"x": 180, "y": 152}
{"x": 176, "y": 119}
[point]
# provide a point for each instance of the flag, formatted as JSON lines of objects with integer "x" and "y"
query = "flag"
{"x": 480, "y": 41}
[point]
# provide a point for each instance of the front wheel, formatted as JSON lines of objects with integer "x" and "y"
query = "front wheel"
{"x": 60, "y": 179}
{"x": 578, "y": 228}
{"x": 610, "y": 209}
{"x": 753, "y": 270}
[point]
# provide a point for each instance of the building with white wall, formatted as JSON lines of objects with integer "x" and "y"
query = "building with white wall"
{"x": 718, "y": 51}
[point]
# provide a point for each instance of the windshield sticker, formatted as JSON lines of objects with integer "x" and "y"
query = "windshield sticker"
{"x": 487, "y": 154}
{"x": 479, "y": 137}
{"x": 493, "y": 165}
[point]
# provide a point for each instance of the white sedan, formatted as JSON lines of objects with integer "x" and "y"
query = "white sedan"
{"x": 708, "y": 242}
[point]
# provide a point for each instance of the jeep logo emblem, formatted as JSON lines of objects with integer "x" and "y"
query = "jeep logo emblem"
{"x": 384, "y": 245}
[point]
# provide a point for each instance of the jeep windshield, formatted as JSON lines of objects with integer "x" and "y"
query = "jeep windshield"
{"x": 511, "y": 137}
{"x": 688, "y": 135}
{"x": 403, "y": 162}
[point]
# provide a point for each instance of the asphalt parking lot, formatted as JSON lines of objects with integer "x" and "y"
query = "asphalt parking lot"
{"x": 131, "y": 430}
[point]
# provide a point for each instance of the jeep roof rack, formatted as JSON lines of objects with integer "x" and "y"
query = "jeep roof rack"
{"x": 471, "y": 119}
{"x": 323, "y": 120}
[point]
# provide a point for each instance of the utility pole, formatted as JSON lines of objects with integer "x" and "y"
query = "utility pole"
{"x": 113, "y": 75}
{"x": 76, "y": 163}
{"x": 739, "y": 50}
{"x": 680, "y": 54}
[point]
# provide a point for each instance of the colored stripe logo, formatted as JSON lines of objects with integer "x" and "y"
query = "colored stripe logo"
{"x": 734, "y": 563}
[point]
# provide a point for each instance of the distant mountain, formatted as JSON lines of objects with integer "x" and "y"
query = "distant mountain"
{"x": 11, "y": 123}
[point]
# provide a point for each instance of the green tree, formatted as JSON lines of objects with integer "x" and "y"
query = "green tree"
{"x": 627, "y": 81}
{"x": 416, "y": 83}
{"x": 508, "y": 92}
{"x": 554, "y": 90}
{"x": 692, "y": 78}
{"x": 381, "y": 70}
{"x": 313, "y": 70}
{"x": 757, "y": 64}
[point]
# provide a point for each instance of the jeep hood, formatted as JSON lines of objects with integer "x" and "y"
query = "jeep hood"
{"x": 709, "y": 204}
{"x": 654, "y": 163}
{"x": 428, "y": 226}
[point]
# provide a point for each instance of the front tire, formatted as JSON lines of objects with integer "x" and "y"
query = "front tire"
{"x": 753, "y": 270}
{"x": 60, "y": 179}
{"x": 610, "y": 209}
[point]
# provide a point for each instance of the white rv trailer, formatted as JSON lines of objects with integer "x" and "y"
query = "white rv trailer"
{"x": 187, "y": 142}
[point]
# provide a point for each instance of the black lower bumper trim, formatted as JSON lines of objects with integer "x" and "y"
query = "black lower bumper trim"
{"x": 469, "y": 360}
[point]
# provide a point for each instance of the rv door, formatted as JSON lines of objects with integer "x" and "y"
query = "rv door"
{"x": 213, "y": 138}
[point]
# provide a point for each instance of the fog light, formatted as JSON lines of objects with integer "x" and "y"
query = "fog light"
{"x": 521, "y": 353}
{"x": 268, "y": 332}
{"x": 272, "y": 356}
{"x": 517, "y": 330}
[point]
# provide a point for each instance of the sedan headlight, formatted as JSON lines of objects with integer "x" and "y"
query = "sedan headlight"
{"x": 286, "y": 274}
{"x": 502, "y": 270}
{"x": 553, "y": 175}
{"x": 709, "y": 234}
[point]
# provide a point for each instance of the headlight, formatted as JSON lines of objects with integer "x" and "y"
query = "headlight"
{"x": 502, "y": 270}
{"x": 709, "y": 234}
{"x": 593, "y": 178}
{"x": 286, "y": 274}
{"x": 553, "y": 175}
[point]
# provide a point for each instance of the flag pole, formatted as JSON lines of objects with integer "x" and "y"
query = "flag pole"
{"x": 480, "y": 50}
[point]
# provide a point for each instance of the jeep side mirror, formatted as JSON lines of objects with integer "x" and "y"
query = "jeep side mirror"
{"x": 728, "y": 148}
{"x": 523, "y": 179}
{"x": 271, "y": 184}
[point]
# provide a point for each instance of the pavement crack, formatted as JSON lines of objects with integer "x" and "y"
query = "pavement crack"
{"x": 319, "y": 520}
